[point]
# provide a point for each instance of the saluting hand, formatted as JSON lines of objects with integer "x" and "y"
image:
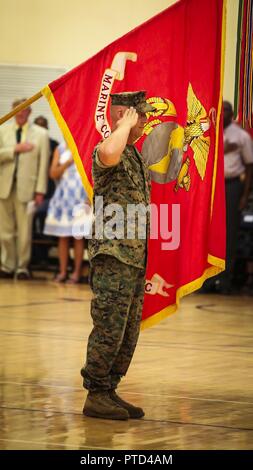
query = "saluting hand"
{"x": 129, "y": 118}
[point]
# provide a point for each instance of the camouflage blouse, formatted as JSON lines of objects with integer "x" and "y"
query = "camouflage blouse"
{"x": 121, "y": 225}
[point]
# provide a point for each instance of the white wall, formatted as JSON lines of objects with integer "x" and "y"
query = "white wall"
{"x": 65, "y": 33}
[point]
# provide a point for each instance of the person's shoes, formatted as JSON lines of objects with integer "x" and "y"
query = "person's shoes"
{"x": 23, "y": 276}
{"x": 100, "y": 405}
{"x": 134, "y": 412}
{"x": 72, "y": 280}
{"x": 59, "y": 278}
{"x": 6, "y": 274}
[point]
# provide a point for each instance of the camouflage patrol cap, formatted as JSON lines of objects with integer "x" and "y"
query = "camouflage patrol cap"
{"x": 136, "y": 99}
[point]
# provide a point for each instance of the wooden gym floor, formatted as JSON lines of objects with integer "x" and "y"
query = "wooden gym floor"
{"x": 192, "y": 373}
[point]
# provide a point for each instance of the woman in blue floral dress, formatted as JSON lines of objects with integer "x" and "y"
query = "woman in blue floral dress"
{"x": 68, "y": 195}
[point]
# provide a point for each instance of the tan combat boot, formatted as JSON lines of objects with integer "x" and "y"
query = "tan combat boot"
{"x": 100, "y": 405}
{"x": 134, "y": 411}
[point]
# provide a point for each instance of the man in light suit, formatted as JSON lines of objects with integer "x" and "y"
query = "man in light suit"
{"x": 24, "y": 157}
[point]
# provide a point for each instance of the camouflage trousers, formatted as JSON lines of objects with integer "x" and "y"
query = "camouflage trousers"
{"x": 116, "y": 310}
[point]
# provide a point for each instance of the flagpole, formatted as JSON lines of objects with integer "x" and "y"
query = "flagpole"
{"x": 21, "y": 106}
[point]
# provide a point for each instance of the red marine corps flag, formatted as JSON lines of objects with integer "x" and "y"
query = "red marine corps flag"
{"x": 177, "y": 57}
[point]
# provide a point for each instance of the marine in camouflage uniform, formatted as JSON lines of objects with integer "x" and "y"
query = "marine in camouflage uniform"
{"x": 117, "y": 276}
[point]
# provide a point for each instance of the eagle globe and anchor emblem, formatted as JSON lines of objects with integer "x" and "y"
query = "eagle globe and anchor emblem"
{"x": 167, "y": 143}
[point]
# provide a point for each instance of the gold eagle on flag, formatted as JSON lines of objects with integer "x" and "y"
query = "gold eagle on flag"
{"x": 197, "y": 124}
{"x": 166, "y": 142}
